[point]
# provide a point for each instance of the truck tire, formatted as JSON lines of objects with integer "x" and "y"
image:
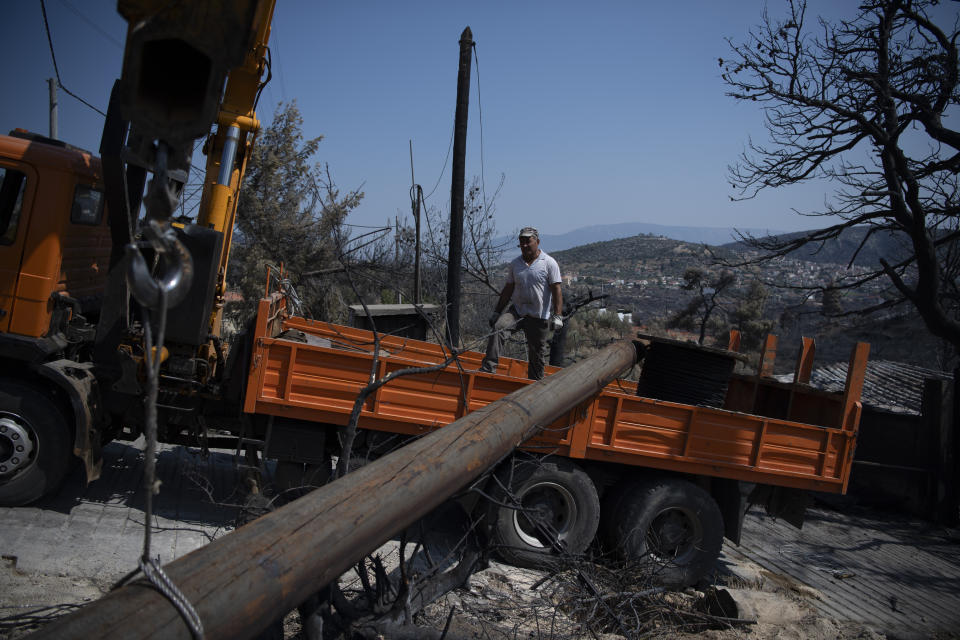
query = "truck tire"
{"x": 35, "y": 446}
{"x": 558, "y": 512}
{"x": 669, "y": 526}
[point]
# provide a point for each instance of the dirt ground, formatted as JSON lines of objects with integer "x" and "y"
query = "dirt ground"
{"x": 501, "y": 602}
{"x": 30, "y": 600}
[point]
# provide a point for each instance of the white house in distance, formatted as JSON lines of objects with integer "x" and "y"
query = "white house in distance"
{"x": 623, "y": 314}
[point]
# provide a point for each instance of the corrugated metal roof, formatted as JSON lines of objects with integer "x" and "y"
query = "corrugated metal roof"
{"x": 889, "y": 386}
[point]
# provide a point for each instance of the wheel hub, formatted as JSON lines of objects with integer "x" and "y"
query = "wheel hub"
{"x": 16, "y": 445}
{"x": 548, "y": 509}
{"x": 673, "y": 535}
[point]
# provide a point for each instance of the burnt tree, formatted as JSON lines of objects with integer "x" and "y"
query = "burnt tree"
{"x": 863, "y": 103}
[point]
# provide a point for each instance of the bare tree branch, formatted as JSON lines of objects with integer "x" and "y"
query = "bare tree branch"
{"x": 862, "y": 102}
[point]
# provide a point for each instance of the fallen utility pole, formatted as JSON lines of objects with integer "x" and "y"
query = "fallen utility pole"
{"x": 243, "y": 581}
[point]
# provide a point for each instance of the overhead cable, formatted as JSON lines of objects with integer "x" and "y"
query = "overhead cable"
{"x": 46, "y": 25}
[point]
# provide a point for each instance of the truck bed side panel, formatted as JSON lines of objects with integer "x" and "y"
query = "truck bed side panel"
{"x": 315, "y": 371}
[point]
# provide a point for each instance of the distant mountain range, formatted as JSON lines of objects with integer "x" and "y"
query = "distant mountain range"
{"x": 623, "y": 256}
{"x": 605, "y": 241}
{"x": 603, "y": 232}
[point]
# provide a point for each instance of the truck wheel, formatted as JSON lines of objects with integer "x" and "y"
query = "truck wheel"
{"x": 668, "y": 525}
{"x": 34, "y": 445}
{"x": 558, "y": 507}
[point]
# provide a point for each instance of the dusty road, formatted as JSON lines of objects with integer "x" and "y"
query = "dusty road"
{"x": 853, "y": 573}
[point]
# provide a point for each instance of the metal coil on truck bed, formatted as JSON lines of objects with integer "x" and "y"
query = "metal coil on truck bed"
{"x": 685, "y": 373}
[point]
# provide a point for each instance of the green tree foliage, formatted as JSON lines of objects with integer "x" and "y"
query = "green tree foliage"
{"x": 590, "y": 330}
{"x": 711, "y": 291}
{"x": 749, "y": 317}
{"x": 291, "y": 213}
{"x": 832, "y": 301}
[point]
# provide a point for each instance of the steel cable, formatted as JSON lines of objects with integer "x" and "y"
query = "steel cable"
{"x": 151, "y": 569}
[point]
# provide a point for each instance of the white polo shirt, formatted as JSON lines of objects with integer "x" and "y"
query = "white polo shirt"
{"x": 531, "y": 291}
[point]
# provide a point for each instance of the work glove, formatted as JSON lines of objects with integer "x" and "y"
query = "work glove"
{"x": 556, "y": 322}
{"x": 493, "y": 318}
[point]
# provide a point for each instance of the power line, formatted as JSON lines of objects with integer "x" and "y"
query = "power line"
{"x": 483, "y": 181}
{"x": 92, "y": 24}
{"x": 444, "y": 169}
{"x": 476, "y": 61}
{"x": 362, "y": 226}
{"x": 276, "y": 46}
{"x": 46, "y": 25}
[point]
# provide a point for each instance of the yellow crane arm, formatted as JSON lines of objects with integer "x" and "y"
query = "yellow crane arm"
{"x": 229, "y": 148}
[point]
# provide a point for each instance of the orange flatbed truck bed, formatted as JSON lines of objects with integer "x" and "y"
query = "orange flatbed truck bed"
{"x": 656, "y": 481}
{"x": 316, "y": 374}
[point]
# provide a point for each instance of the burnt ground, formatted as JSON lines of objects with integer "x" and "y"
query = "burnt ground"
{"x": 851, "y": 572}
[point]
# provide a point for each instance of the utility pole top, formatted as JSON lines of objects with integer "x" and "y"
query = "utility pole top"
{"x": 52, "y": 84}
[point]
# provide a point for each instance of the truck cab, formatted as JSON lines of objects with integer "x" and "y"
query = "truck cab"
{"x": 54, "y": 242}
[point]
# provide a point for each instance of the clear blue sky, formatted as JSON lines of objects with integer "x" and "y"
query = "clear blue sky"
{"x": 595, "y": 113}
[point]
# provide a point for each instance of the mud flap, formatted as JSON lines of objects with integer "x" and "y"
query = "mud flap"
{"x": 77, "y": 381}
{"x": 295, "y": 440}
{"x": 783, "y": 502}
{"x": 734, "y": 498}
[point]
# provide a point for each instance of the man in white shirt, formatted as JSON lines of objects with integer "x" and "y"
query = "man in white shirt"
{"x": 530, "y": 300}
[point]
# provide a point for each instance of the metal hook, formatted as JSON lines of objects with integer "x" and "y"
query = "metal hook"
{"x": 174, "y": 273}
{"x": 175, "y": 269}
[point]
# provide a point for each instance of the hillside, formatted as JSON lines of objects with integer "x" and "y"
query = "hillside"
{"x": 612, "y": 256}
{"x": 643, "y": 275}
{"x": 604, "y": 232}
{"x": 636, "y": 257}
{"x": 868, "y": 249}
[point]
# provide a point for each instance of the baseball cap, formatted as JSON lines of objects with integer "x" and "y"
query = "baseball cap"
{"x": 527, "y": 232}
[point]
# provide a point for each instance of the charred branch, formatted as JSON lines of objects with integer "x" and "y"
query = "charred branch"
{"x": 848, "y": 101}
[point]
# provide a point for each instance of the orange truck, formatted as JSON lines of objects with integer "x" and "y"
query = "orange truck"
{"x": 680, "y": 474}
{"x": 680, "y": 471}
{"x": 658, "y": 476}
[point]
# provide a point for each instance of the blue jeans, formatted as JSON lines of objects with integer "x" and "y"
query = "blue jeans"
{"x": 534, "y": 329}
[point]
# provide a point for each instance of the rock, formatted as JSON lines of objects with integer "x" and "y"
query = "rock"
{"x": 768, "y": 608}
{"x": 720, "y": 603}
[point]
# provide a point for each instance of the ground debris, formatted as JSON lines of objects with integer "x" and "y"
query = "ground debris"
{"x": 28, "y": 601}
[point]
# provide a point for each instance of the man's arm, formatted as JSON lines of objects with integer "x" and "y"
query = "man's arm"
{"x": 556, "y": 298}
{"x": 505, "y": 294}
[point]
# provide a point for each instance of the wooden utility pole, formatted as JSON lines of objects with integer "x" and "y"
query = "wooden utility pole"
{"x": 456, "y": 189}
{"x": 241, "y": 582}
{"x": 396, "y": 258}
{"x": 52, "y": 83}
{"x": 415, "y": 205}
